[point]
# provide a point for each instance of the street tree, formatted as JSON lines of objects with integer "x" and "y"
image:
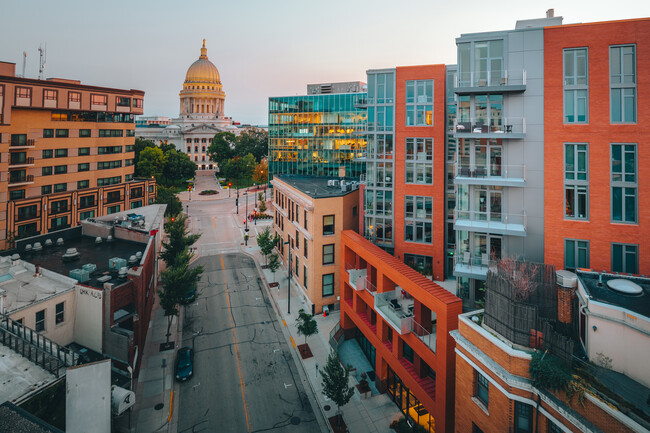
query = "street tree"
{"x": 150, "y": 162}
{"x": 254, "y": 141}
{"x": 274, "y": 264}
{"x": 246, "y": 165}
{"x": 167, "y": 196}
{"x": 222, "y": 147}
{"x": 179, "y": 287}
{"x": 178, "y": 240}
{"x": 264, "y": 242}
{"x": 306, "y": 324}
{"x": 140, "y": 145}
{"x": 262, "y": 205}
{"x": 261, "y": 173}
{"x": 178, "y": 168}
{"x": 336, "y": 382}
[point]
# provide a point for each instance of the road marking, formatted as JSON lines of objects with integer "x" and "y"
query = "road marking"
{"x": 222, "y": 265}
{"x": 285, "y": 323}
{"x": 214, "y": 221}
{"x": 293, "y": 342}
{"x": 287, "y": 385}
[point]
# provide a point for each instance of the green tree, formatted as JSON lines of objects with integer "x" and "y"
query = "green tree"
{"x": 178, "y": 241}
{"x": 178, "y": 168}
{"x": 140, "y": 145}
{"x": 150, "y": 163}
{"x": 254, "y": 141}
{"x": 274, "y": 264}
{"x": 262, "y": 205}
{"x": 335, "y": 381}
{"x": 246, "y": 165}
{"x": 306, "y": 324}
{"x": 179, "y": 284}
{"x": 264, "y": 242}
{"x": 261, "y": 173}
{"x": 222, "y": 147}
{"x": 167, "y": 196}
{"x": 166, "y": 147}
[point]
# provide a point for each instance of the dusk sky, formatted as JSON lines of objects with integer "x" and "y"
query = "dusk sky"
{"x": 262, "y": 48}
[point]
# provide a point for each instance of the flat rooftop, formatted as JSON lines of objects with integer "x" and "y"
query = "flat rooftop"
{"x": 16, "y": 420}
{"x": 316, "y": 186}
{"x": 639, "y": 304}
{"x": 19, "y": 375}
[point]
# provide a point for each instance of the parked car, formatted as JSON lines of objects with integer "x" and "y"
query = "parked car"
{"x": 184, "y": 364}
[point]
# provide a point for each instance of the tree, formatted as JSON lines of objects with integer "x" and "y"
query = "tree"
{"x": 168, "y": 197}
{"x": 178, "y": 240}
{"x": 150, "y": 162}
{"x": 254, "y": 141}
{"x": 264, "y": 242}
{"x": 140, "y": 145}
{"x": 178, "y": 168}
{"x": 179, "y": 284}
{"x": 261, "y": 172}
{"x": 306, "y": 324}
{"x": 246, "y": 165}
{"x": 335, "y": 382}
{"x": 262, "y": 206}
{"x": 222, "y": 147}
{"x": 274, "y": 264}
{"x": 166, "y": 147}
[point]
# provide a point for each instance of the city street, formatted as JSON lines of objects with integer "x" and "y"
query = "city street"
{"x": 245, "y": 377}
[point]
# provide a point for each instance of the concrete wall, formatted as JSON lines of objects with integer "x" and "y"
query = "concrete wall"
{"x": 61, "y": 333}
{"x": 88, "y": 398}
{"x": 88, "y": 317}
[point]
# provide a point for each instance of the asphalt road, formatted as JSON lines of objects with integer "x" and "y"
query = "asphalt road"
{"x": 245, "y": 378}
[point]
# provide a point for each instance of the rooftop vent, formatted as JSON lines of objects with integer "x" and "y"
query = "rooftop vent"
{"x": 122, "y": 272}
{"x": 37, "y": 246}
{"x": 98, "y": 240}
{"x": 625, "y": 287}
{"x": 28, "y": 248}
{"x": 48, "y": 242}
{"x": 71, "y": 254}
{"x": 109, "y": 238}
{"x": 59, "y": 241}
{"x": 566, "y": 279}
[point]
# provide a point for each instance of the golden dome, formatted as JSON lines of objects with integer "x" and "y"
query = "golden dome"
{"x": 203, "y": 70}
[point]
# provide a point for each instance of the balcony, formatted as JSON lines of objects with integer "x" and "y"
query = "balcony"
{"x": 21, "y": 162}
{"x": 21, "y": 180}
{"x": 504, "y": 128}
{"x": 22, "y": 144}
{"x": 428, "y": 338}
{"x": 397, "y": 311}
{"x": 498, "y": 81}
{"x": 492, "y": 174}
{"x": 471, "y": 266}
{"x": 355, "y": 275}
{"x": 490, "y": 222}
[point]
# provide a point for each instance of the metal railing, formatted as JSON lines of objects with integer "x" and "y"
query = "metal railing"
{"x": 21, "y": 161}
{"x": 476, "y": 263}
{"x": 428, "y": 338}
{"x": 488, "y": 171}
{"x": 501, "y": 125}
{"x": 21, "y": 179}
{"x": 490, "y": 217}
{"x": 507, "y": 77}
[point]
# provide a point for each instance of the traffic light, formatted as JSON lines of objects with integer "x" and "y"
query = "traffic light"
{"x": 173, "y": 219}
{"x": 237, "y": 201}
{"x": 229, "y": 184}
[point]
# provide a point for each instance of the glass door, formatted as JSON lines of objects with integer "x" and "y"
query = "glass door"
{"x": 480, "y": 204}
{"x": 495, "y": 205}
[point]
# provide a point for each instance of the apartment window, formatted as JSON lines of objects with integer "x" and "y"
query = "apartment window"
{"x": 48, "y": 133}
{"x": 86, "y": 215}
{"x": 304, "y": 249}
{"x": 418, "y": 224}
{"x": 86, "y": 201}
{"x": 98, "y": 99}
{"x": 576, "y": 86}
{"x": 419, "y": 160}
{"x": 107, "y": 150}
{"x": 74, "y": 97}
{"x": 111, "y": 133}
{"x": 137, "y": 103}
{"x": 407, "y": 352}
{"x": 46, "y": 189}
{"x": 328, "y": 225}
{"x": 83, "y": 184}
{"x": 60, "y": 153}
{"x": 128, "y": 177}
{"x": 48, "y": 153}
{"x": 60, "y": 169}
{"x": 62, "y": 133}
{"x": 625, "y": 258}
{"x": 475, "y": 429}
{"x": 328, "y": 285}
{"x": 304, "y": 222}
{"x": 576, "y": 254}
{"x": 49, "y": 95}
{"x": 576, "y": 181}
{"x": 23, "y": 92}
{"x": 304, "y": 277}
{"x": 419, "y": 103}
{"x": 83, "y": 166}
{"x": 121, "y": 101}
{"x": 328, "y": 254}
{"x": 17, "y": 194}
{"x": 523, "y": 418}
{"x": 106, "y": 165}
{"x": 482, "y": 389}
{"x": 129, "y": 148}
{"x": 60, "y": 187}
{"x": 113, "y": 209}
{"x": 59, "y": 223}
{"x": 624, "y": 183}
{"x": 622, "y": 82}
{"x": 40, "y": 321}
{"x": 84, "y": 133}
{"x": 60, "y": 313}
{"x": 297, "y": 267}
{"x": 46, "y": 171}
{"x": 83, "y": 151}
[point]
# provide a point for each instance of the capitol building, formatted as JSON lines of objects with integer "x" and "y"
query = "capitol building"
{"x": 201, "y": 114}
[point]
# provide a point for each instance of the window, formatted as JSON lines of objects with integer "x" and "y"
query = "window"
{"x": 297, "y": 267}
{"x": 576, "y": 254}
{"x": 419, "y": 103}
{"x": 482, "y": 389}
{"x": 86, "y": 215}
{"x": 62, "y": 133}
{"x": 60, "y": 153}
{"x": 304, "y": 249}
{"x": 60, "y": 313}
{"x": 523, "y": 418}
{"x": 304, "y": 277}
{"x": 107, "y": 150}
{"x": 83, "y": 151}
{"x": 19, "y": 139}
{"x": 60, "y": 187}
{"x": 46, "y": 189}
{"x": 60, "y": 169}
{"x": 576, "y": 181}
{"x": 98, "y": 99}
{"x": 624, "y": 183}
{"x": 328, "y": 285}
{"x": 553, "y": 428}
{"x": 49, "y": 95}
{"x": 113, "y": 209}
{"x": 407, "y": 352}
{"x": 419, "y": 160}
{"x": 83, "y": 166}
{"x": 137, "y": 103}
{"x": 576, "y": 86}
{"x": 74, "y": 97}
{"x": 86, "y": 201}
{"x": 121, "y": 101}
{"x": 46, "y": 171}
{"x": 83, "y": 184}
{"x": 48, "y": 133}
{"x": 129, "y": 148}
{"x": 328, "y": 225}
{"x": 17, "y": 194}
{"x": 84, "y": 133}
{"x": 475, "y": 429}
{"x": 625, "y": 258}
{"x": 105, "y": 165}
{"x": 23, "y": 92}
{"x": 328, "y": 254}
{"x": 48, "y": 153}
{"x": 40, "y": 321}
{"x": 59, "y": 223}
{"x": 622, "y": 82}
{"x": 418, "y": 219}
{"x": 111, "y": 133}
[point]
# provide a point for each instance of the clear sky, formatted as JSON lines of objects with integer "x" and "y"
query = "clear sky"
{"x": 262, "y": 48}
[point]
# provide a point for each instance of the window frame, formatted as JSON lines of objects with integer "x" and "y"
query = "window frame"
{"x": 323, "y": 293}
{"x": 576, "y": 253}
{"x": 519, "y": 411}
{"x": 623, "y": 184}
{"x": 328, "y": 255}
{"x": 39, "y": 325}
{"x": 418, "y": 167}
{"x": 480, "y": 378}
{"x": 575, "y": 88}
{"x": 623, "y": 268}
{"x": 621, "y": 85}
{"x": 326, "y": 230}
{"x": 59, "y": 316}
{"x": 579, "y": 187}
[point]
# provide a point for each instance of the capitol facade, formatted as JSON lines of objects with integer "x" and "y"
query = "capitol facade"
{"x": 201, "y": 116}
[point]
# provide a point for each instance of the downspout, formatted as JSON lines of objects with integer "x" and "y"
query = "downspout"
{"x": 539, "y": 398}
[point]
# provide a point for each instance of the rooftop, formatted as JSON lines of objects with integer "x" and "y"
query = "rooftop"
{"x": 639, "y": 303}
{"x": 19, "y": 376}
{"x": 15, "y": 420}
{"x": 316, "y": 186}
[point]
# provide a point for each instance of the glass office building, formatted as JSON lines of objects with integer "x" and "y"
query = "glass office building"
{"x": 318, "y": 134}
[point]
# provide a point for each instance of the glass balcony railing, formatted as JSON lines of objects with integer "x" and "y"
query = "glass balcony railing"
{"x": 469, "y": 265}
{"x": 397, "y": 310}
{"x": 428, "y": 338}
{"x": 498, "y": 126}
{"x": 356, "y": 276}
{"x": 490, "y": 171}
{"x": 491, "y": 78}
{"x": 492, "y": 221}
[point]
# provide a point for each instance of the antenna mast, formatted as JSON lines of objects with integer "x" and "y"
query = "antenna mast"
{"x": 43, "y": 53}
{"x": 24, "y": 62}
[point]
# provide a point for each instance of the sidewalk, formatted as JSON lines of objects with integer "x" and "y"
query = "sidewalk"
{"x": 369, "y": 415}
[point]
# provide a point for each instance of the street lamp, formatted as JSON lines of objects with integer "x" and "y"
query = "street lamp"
{"x": 246, "y": 211}
{"x": 289, "y": 285}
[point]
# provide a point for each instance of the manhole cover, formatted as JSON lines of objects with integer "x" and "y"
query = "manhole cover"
{"x": 159, "y": 406}
{"x": 295, "y": 420}
{"x": 327, "y": 407}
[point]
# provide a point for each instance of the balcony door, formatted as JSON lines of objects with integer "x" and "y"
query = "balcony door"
{"x": 487, "y": 204}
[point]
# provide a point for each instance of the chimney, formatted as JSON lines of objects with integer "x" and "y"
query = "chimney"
{"x": 550, "y": 13}
{"x": 567, "y": 283}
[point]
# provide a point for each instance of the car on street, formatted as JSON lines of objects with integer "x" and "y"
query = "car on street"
{"x": 184, "y": 364}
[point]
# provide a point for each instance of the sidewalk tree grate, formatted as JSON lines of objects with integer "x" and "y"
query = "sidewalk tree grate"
{"x": 166, "y": 346}
{"x": 159, "y": 406}
{"x": 327, "y": 407}
{"x": 295, "y": 420}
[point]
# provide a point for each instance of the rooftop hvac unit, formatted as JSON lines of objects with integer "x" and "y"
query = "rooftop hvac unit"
{"x": 336, "y": 182}
{"x": 80, "y": 275}
{"x": 566, "y": 279}
{"x": 116, "y": 263}
{"x": 89, "y": 267}
{"x": 330, "y": 183}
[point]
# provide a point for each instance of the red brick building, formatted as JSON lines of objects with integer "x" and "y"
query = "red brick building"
{"x": 401, "y": 320}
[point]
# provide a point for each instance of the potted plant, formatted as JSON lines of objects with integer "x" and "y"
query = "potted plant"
{"x": 364, "y": 387}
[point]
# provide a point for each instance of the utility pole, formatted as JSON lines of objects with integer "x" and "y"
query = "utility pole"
{"x": 289, "y": 285}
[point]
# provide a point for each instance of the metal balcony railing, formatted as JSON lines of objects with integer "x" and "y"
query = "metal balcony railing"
{"x": 508, "y": 77}
{"x": 21, "y": 161}
{"x": 489, "y": 171}
{"x": 491, "y": 221}
{"x": 21, "y": 179}
{"x": 501, "y": 125}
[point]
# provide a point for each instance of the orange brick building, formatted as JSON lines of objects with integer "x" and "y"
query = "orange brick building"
{"x": 402, "y": 320}
{"x": 596, "y": 164}
{"x": 67, "y": 154}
